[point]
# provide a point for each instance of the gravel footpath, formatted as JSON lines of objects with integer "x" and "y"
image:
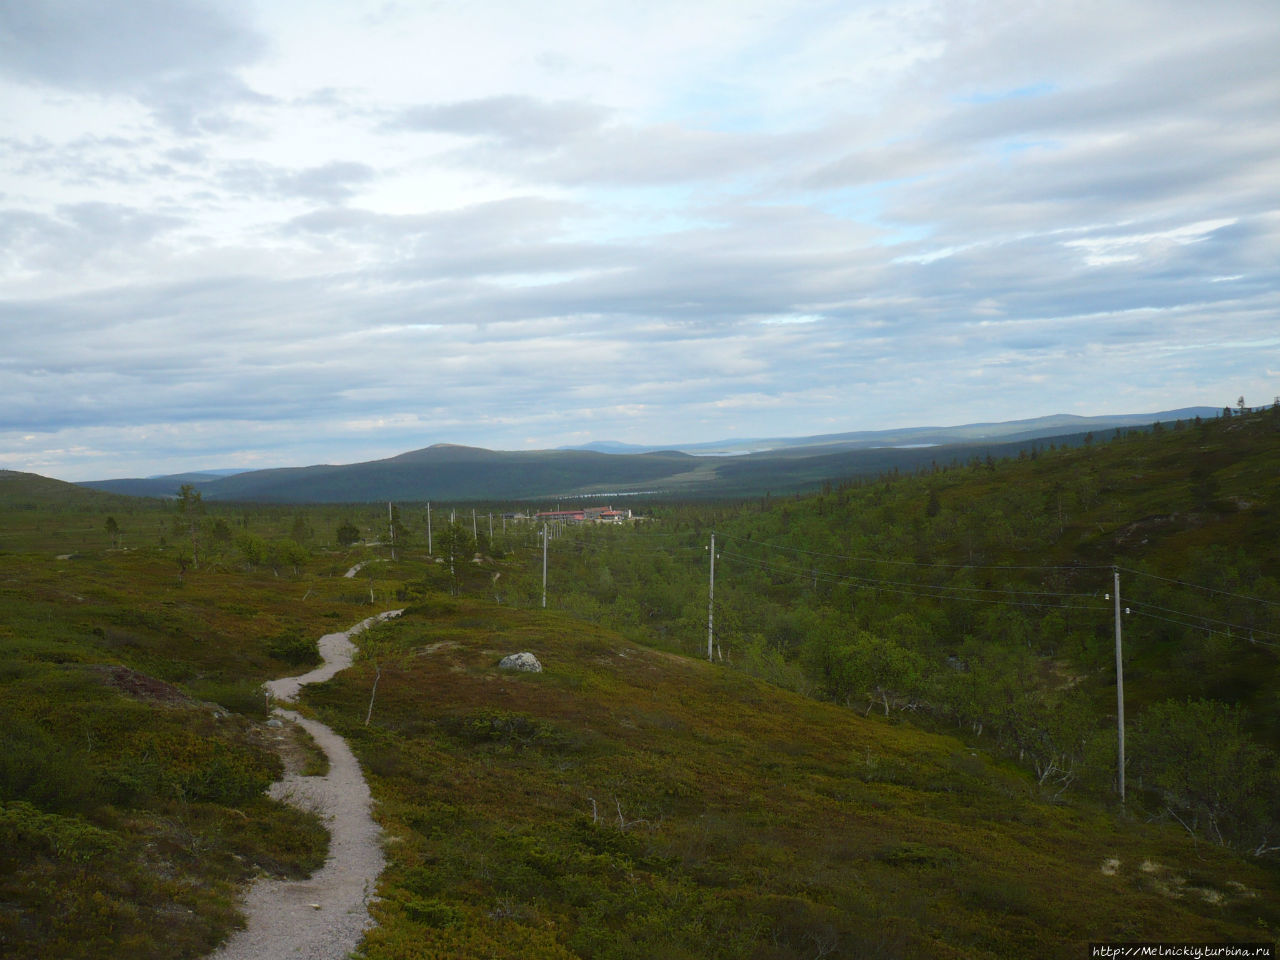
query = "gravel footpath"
{"x": 324, "y": 916}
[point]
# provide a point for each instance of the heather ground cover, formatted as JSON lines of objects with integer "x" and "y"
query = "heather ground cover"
{"x": 631, "y": 803}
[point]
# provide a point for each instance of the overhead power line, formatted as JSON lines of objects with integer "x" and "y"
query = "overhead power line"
{"x": 1197, "y": 586}
{"x": 835, "y": 577}
{"x": 1197, "y": 620}
{"x": 911, "y": 563}
{"x": 926, "y": 591}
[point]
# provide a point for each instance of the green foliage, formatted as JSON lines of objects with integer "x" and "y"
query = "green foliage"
{"x": 239, "y": 696}
{"x": 131, "y": 803}
{"x": 294, "y": 649}
{"x": 25, "y": 832}
{"x": 634, "y": 803}
{"x": 277, "y": 554}
{"x": 432, "y": 913}
{"x": 35, "y": 766}
{"x": 627, "y": 803}
{"x": 969, "y": 598}
{"x": 1207, "y": 772}
{"x": 501, "y": 728}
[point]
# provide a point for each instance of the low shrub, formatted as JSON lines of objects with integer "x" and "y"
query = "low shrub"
{"x": 294, "y": 649}
{"x": 238, "y": 696}
{"x": 25, "y": 830}
{"x": 432, "y": 913}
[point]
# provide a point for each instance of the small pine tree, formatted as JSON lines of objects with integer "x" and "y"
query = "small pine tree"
{"x": 348, "y": 533}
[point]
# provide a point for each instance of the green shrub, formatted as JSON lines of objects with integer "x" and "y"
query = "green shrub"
{"x": 35, "y": 767}
{"x": 917, "y": 855}
{"x": 25, "y": 830}
{"x": 239, "y": 696}
{"x": 294, "y": 649}
{"x": 432, "y": 606}
{"x": 432, "y": 913}
{"x": 503, "y": 728}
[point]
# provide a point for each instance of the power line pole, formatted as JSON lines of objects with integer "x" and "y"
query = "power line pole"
{"x": 429, "y": 550}
{"x": 1119, "y": 689}
{"x": 544, "y": 566}
{"x": 391, "y": 526}
{"x": 474, "y": 533}
{"x": 711, "y": 601}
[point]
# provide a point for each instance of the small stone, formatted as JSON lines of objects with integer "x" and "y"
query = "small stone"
{"x": 520, "y": 661}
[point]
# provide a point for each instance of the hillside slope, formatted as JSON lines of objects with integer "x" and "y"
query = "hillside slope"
{"x": 457, "y": 473}
{"x": 977, "y": 599}
{"x": 27, "y": 490}
{"x": 625, "y": 803}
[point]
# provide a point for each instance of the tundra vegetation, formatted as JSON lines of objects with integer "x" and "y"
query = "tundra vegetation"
{"x": 905, "y": 746}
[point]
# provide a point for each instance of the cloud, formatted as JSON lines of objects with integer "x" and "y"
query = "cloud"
{"x": 517, "y": 120}
{"x": 349, "y": 234}
{"x": 573, "y": 142}
{"x": 81, "y": 44}
{"x": 329, "y": 183}
{"x": 175, "y": 56}
{"x": 77, "y": 234}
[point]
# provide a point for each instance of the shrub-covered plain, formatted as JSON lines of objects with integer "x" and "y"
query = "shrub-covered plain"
{"x": 905, "y": 747}
{"x": 631, "y": 803}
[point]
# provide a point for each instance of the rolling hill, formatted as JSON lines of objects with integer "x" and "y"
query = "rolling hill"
{"x": 926, "y": 773}
{"x": 461, "y": 473}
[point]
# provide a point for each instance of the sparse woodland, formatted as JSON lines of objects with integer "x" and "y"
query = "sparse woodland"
{"x": 905, "y": 745}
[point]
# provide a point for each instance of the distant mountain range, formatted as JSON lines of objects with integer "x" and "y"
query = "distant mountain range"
{"x": 730, "y": 468}
{"x": 1061, "y": 424}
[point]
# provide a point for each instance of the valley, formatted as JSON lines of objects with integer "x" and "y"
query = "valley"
{"x": 903, "y": 746}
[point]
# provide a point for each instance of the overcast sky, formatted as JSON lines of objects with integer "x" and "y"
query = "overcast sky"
{"x": 287, "y": 232}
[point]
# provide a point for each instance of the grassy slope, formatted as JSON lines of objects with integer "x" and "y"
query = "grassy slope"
{"x": 131, "y": 806}
{"x": 730, "y": 819}
{"x": 1130, "y": 502}
{"x": 777, "y": 826}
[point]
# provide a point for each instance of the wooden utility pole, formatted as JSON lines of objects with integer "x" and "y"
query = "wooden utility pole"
{"x": 544, "y": 566}
{"x": 711, "y": 602}
{"x": 1119, "y": 690}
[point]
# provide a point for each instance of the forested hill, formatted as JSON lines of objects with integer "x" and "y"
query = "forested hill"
{"x": 29, "y": 489}
{"x": 669, "y": 806}
{"x": 460, "y": 473}
{"x": 976, "y": 598}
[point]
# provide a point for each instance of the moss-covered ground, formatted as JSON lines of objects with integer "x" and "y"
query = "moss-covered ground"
{"x": 631, "y": 803}
{"x": 135, "y": 757}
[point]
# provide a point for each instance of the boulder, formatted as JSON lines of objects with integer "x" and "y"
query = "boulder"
{"x": 520, "y": 661}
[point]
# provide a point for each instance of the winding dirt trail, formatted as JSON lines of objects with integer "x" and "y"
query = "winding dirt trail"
{"x": 324, "y": 916}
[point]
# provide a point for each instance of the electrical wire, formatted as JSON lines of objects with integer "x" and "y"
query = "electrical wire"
{"x": 1019, "y": 598}
{"x": 1199, "y": 626}
{"x": 920, "y": 590}
{"x": 910, "y": 563}
{"x": 1133, "y": 604}
{"x": 875, "y": 580}
{"x": 1196, "y": 586}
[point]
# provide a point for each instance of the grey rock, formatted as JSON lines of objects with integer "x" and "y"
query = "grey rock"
{"x": 520, "y": 661}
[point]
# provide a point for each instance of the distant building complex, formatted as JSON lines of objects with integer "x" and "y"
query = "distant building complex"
{"x": 585, "y": 515}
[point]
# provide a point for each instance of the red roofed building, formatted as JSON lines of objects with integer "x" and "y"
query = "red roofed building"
{"x": 585, "y": 515}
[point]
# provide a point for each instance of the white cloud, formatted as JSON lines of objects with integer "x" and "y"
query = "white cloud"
{"x": 303, "y": 232}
